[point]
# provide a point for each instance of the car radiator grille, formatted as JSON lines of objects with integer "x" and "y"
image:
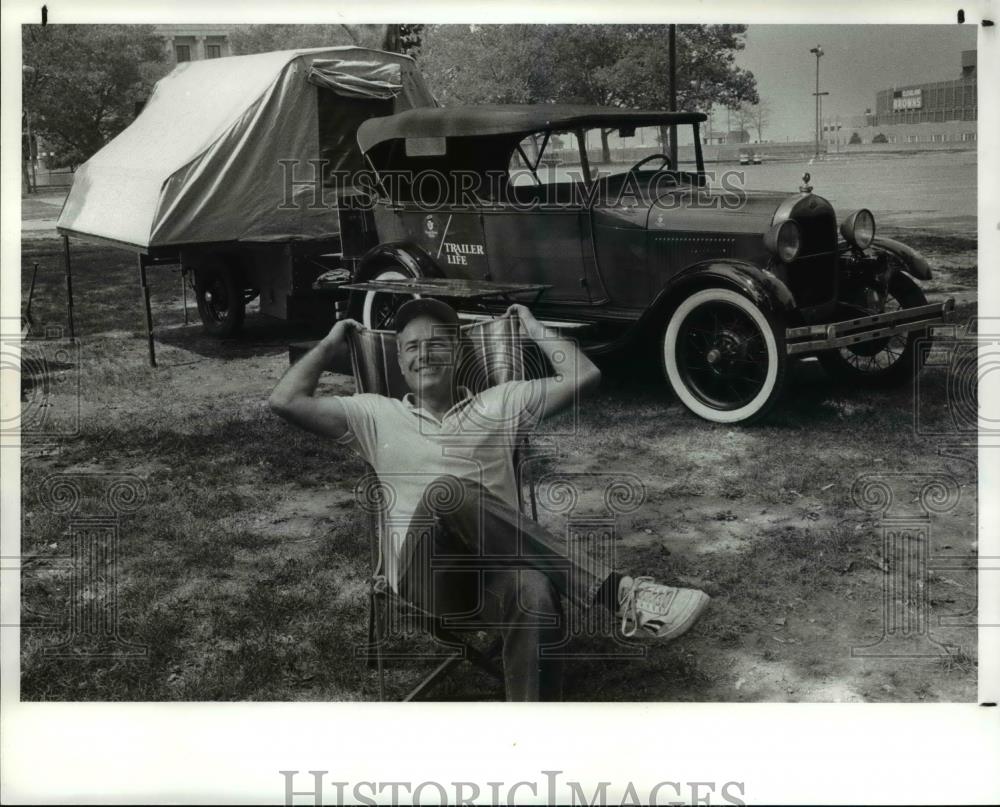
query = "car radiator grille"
{"x": 812, "y": 280}
{"x": 812, "y": 277}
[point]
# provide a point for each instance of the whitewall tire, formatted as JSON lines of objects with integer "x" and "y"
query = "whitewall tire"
{"x": 723, "y": 357}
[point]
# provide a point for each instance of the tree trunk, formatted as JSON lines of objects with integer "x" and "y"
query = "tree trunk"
{"x": 390, "y": 39}
{"x": 605, "y": 148}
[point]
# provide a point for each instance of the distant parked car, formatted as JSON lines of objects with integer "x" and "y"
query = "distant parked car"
{"x": 744, "y": 158}
{"x": 757, "y": 159}
{"x": 727, "y": 288}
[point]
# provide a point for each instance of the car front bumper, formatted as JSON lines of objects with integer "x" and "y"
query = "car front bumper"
{"x": 811, "y": 338}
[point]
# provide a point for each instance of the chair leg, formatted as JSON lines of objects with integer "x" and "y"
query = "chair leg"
{"x": 377, "y": 617}
{"x": 371, "y": 626}
{"x": 378, "y": 654}
{"x": 483, "y": 660}
{"x": 375, "y": 634}
{"x": 433, "y": 679}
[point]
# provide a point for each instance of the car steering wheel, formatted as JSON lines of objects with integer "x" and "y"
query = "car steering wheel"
{"x": 666, "y": 162}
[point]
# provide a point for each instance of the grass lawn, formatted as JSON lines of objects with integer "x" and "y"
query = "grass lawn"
{"x": 244, "y": 572}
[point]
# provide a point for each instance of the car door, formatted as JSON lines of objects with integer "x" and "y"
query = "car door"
{"x": 540, "y": 231}
{"x": 621, "y": 245}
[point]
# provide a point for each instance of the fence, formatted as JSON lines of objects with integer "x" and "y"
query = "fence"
{"x": 59, "y": 178}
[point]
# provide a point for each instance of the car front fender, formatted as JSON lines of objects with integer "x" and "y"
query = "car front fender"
{"x": 767, "y": 291}
{"x": 401, "y": 253}
{"x": 914, "y": 263}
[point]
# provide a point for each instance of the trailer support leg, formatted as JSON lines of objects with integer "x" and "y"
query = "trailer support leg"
{"x": 69, "y": 286}
{"x": 149, "y": 311}
{"x": 184, "y": 293}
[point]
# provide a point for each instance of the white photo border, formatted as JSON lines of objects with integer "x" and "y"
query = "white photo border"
{"x": 232, "y": 753}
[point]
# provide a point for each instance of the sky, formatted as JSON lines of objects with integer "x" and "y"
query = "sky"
{"x": 857, "y": 62}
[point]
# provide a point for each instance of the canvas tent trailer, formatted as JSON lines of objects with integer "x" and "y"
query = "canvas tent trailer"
{"x": 227, "y": 172}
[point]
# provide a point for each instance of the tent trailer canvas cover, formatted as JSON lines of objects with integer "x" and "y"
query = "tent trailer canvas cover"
{"x": 202, "y": 163}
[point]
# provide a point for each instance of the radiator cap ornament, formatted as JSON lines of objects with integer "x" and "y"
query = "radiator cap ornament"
{"x": 805, "y": 187}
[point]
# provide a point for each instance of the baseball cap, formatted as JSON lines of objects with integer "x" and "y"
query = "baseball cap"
{"x": 425, "y": 307}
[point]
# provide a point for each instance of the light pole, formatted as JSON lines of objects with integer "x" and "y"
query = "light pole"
{"x": 819, "y": 97}
{"x": 819, "y": 52}
{"x": 672, "y": 66}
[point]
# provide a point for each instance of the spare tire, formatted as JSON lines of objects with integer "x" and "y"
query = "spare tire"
{"x": 376, "y": 310}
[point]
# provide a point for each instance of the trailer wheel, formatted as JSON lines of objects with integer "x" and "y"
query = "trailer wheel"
{"x": 221, "y": 300}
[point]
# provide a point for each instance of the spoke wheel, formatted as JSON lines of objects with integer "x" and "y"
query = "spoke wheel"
{"x": 220, "y": 296}
{"x": 723, "y": 357}
{"x": 377, "y": 310}
{"x": 883, "y": 362}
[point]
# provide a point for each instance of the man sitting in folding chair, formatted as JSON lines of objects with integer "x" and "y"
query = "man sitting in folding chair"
{"x": 449, "y": 455}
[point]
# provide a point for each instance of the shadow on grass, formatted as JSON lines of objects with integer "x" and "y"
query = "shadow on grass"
{"x": 107, "y": 296}
{"x": 260, "y": 336}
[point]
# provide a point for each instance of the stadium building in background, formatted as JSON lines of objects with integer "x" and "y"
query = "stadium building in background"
{"x": 935, "y": 112}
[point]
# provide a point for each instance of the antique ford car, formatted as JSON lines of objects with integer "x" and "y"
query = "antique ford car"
{"x": 637, "y": 249}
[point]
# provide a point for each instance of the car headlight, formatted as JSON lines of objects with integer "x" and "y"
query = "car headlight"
{"x": 783, "y": 240}
{"x": 858, "y": 229}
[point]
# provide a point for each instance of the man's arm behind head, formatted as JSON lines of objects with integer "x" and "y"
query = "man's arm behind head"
{"x": 575, "y": 374}
{"x": 293, "y": 399}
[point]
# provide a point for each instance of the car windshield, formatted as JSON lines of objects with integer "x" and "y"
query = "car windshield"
{"x": 615, "y": 151}
{"x": 546, "y": 158}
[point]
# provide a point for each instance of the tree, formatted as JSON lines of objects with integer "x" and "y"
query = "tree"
{"x": 751, "y": 116}
{"x": 757, "y": 116}
{"x": 578, "y": 64}
{"x": 81, "y": 82}
{"x": 480, "y": 64}
{"x": 245, "y": 39}
{"x": 607, "y": 65}
{"x": 880, "y": 138}
{"x": 855, "y": 139}
{"x": 405, "y": 38}
{"x": 743, "y": 117}
{"x": 707, "y": 73}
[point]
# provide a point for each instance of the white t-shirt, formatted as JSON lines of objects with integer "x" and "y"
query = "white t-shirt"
{"x": 409, "y": 448}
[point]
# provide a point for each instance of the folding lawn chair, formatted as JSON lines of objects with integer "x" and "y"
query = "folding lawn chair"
{"x": 493, "y": 352}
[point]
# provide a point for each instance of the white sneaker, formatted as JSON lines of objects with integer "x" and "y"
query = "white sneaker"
{"x": 657, "y": 611}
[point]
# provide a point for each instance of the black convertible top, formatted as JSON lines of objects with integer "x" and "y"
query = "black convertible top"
{"x": 509, "y": 119}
